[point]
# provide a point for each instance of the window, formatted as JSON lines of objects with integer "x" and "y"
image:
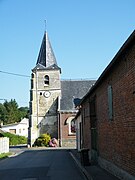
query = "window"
{"x": 70, "y": 121}
{"x": 46, "y": 80}
{"x": 110, "y": 102}
{"x": 72, "y": 126}
{"x": 12, "y": 131}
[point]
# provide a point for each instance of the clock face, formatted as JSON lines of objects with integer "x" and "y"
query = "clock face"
{"x": 47, "y": 94}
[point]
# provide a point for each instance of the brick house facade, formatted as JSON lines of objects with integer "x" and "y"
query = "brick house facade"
{"x": 108, "y": 115}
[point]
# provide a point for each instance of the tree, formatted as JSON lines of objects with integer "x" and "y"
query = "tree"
{"x": 3, "y": 112}
{"x": 24, "y": 112}
{"x": 10, "y": 113}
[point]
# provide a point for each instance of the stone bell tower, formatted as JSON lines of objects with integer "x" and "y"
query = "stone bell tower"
{"x": 45, "y": 94}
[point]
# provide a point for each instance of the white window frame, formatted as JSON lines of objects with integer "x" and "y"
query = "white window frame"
{"x": 68, "y": 121}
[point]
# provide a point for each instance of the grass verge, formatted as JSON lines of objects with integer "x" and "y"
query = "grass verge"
{"x": 5, "y": 155}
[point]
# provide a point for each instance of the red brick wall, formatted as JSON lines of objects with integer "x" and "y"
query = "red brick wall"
{"x": 67, "y": 139}
{"x": 116, "y": 138}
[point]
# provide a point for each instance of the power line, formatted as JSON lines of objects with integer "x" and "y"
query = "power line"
{"x": 22, "y": 75}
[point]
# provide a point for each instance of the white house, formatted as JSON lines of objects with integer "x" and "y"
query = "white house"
{"x": 20, "y": 128}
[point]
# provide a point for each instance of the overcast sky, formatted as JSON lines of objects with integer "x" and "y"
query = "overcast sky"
{"x": 85, "y": 36}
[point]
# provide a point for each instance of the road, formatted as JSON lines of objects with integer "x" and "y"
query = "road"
{"x": 54, "y": 164}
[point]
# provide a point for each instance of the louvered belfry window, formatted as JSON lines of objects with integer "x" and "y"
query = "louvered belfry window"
{"x": 46, "y": 80}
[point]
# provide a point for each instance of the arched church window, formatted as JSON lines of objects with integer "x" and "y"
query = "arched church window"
{"x": 46, "y": 80}
{"x": 70, "y": 121}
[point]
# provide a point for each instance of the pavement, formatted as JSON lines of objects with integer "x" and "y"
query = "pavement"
{"x": 91, "y": 172}
{"x": 40, "y": 164}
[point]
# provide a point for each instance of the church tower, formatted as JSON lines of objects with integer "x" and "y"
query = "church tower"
{"x": 45, "y": 94}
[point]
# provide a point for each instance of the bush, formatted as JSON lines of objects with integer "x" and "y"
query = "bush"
{"x": 15, "y": 139}
{"x": 43, "y": 140}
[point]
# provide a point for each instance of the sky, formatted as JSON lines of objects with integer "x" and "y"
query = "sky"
{"x": 85, "y": 36}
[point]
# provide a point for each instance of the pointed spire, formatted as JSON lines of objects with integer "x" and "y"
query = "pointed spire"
{"x": 46, "y": 56}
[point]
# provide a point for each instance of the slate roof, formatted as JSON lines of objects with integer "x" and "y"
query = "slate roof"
{"x": 72, "y": 91}
{"x": 46, "y": 58}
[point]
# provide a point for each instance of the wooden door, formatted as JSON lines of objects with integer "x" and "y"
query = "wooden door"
{"x": 93, "y": 130}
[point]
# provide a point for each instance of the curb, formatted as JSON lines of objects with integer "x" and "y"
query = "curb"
{"x": 83, "y": 170}
{"x": 16, "y": 154}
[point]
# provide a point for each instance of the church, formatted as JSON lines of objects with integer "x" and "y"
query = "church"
{"x": 53, "y": 102}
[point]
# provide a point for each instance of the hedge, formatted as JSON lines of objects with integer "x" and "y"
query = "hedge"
{"x": 15, "y": 139}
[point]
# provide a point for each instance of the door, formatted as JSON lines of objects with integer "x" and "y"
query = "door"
{"x": 93, "y": 130}
{"x": 80, "y": 140}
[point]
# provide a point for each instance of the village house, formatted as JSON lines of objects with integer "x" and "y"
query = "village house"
{"x": 18, "y": 128}
{"x": 52, "y": 100}
{"x": 105, "y": 123}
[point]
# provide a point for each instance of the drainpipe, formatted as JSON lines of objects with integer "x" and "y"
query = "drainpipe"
{"x": 59, "y": 123}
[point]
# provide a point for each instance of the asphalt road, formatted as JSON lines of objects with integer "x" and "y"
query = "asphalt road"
{"x": 40, "y": 165}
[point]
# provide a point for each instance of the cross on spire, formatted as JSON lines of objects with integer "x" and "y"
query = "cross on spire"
{"x": 45, "y": 25}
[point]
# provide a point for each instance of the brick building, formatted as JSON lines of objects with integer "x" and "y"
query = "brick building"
{"x": 71, "y": 93}
{"x": 106, "y": 120}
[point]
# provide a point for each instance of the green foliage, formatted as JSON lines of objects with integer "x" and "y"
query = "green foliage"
{"x": 15, "y": 139}
{"x": 24, "y": 112}
{"x": 43, "y": 140}
{"x": 10, "y": 113}
{"x": 3, "y": 112}
{"x": 5, "y": 155}
{"x": 1, "y": 135}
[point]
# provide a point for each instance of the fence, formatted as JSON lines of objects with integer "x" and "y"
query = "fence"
{"x": 4, "y": 145}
